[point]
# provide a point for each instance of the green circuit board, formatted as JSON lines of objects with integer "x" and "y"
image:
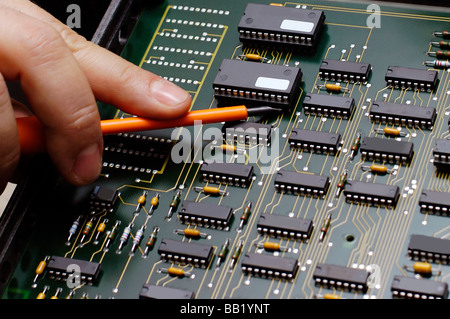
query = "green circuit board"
{"x": 358, "y": 237}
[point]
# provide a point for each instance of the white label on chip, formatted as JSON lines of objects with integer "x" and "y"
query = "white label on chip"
{"x": 299, "y": 26}
{"x": 272, "y": 83}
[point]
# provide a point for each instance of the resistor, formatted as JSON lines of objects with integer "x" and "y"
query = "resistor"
{"x": 111, "y": 235}
{"x": 391, "y": 131}
{"x": 378, "y": 169}
{"x": 43, "y": 293}
{"x": 253, "y": 57}
{"x": 211, "y": 190}
{"x": 57, "y": 293}
{"x": 440, "y": 54}
{"x": 40, "y": 270}
{"x": 124, "y": 238}
{"x": 271, "y": 246}
{"x": 100, "y": 230}
{"x": 137, "y": 239}
{"x": 442, "y": 34}
{"x": 422, "y": 268}
{"x": 441, "y": 44}
{"x": 153, "y": 204}
{"x": 245, "y": 215}
{"x": 325, "y": 227}
{"x": 355, "y": 146}
{"x": 223, "y": 252}
{"x": 73, "y": 229}
{"x": 438, "y": 64}
{"x": 177, "y": 272}
{"x": 174, "y": 204}
{"x": 86, "y": 230}
{"x": 150, "y": 242}
{"x": 191, "y": 232}
{"x": 141, "y": 202}
{"x": 335, "y": 88}
{"x": 236, "y": 254}
{"x": 341, "y": 182}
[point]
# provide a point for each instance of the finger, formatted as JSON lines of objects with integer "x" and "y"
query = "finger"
{"x": 115, "y": 80}
{"x": 9, "y": 142}
{"x": 57, "y": 90}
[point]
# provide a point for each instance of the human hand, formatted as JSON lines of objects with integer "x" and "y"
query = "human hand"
{"x": 62, "y": 75}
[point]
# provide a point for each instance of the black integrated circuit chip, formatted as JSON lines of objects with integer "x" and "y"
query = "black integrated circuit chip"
{"x": 297, "y": 183}
{"x": 198, "y": 255}
{"x": 315, "y": 141}
{"x": 373, "y": 194}
{"x": 149, "y": 291}
{"x": 268, "y": 266}
{"x": 344, "y": 71}
{"x": 205, "y": 214}
{"x": 250, "y": 133}
{"x": 402, "y": 115}
{"x": 430, "y": 249}
{"x": 230, "y": 173}
{"x": 386, "y": 150}
{"x": 281, "y": 28}
{"x": 441, "y": 154}
{"x": 76, "y": 270}
{"x": 256, "y": 84}
{"x": 411, "y": 78}
{"x": 333, "y": 276}
{"x": 285, "y": 227}
{"x": 103, "y": 198}
{"x": 333, "y": 106}
{"x": 436, "y": 203}
{"x": 413, "y": 288}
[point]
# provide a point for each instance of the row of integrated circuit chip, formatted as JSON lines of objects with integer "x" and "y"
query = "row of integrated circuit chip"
{"x": 433, "y": 202}
{"x": 255, "y": 84}
{"x": 285, "y": 227}
{"x": 150, "y": 291}
{"x": 247, "y": 133}
{"x": 333, "y": 106}
{"x": 373, "y": 194}
{"x": 315, "y": 141}
{"x": 411, "y": 78}
{"x": 344, "y": 71}
{"x": 297, "y": 183}
{"x": 386, "y": 150}
{"x": 333, "y": 276}
{"x": 197, "y": 255}
{"x": 279, "y": 27}
{"x": 430, "y": 249}
{"x": 231, "y": 173}
{"x": 402, "y": 115}
{"x": 206, "y": 214}
{"x": 76, "y": 270}
{"x": 269, "y": 266}
{"x": 414, "y": 288}
{"x": 441, "y": 154}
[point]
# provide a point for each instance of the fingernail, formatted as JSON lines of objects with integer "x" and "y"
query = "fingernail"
{"x": 168, "y": 93}
{"x": 88, "y": 164}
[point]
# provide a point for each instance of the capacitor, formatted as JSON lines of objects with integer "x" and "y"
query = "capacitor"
{"x": 223, "y": 252}
{"x": 137, "y": 239}
{"x": 441, "y": 44}
{"x": 236, "y": 254}
{"x": 331, "y": 296}
{"x": 153, "y": 204}
{"x": 141, "y": 202}
{"x": 73, "y": 229}
{"x": 174, "y": 204}
{"x": 150, "y": 242}
{"x": 271, "y": 246}
{"x": 227, "y": 148}
{"x": 124, "y": 237}
{"x": 86, "y": 230}
{"x": 176, "y": 272}
{"x": 325, "y": 227}
{"x": 57, "y": 293}
{"x": 111, "y": 235}
{"x": 440, "y": 54}
{"x": 341, "y": 182}
{"x": 191, "y": 232}
{"x": 442, "y": 34}
{"x": 422, "y": 268}
{"x": 355, "y": 146}
{"x": 43, "y": 293}
{"x": 211, "y": 190}
{"x": 253, "y": 57}
{"x": 100, "y": 230}
{"x": 335, "y": 88}
{"x": 438, "y": 64}
{"x": 40, "y": 270}
{"x": 245, "y": 215}
{"x": 377, "y": 169}
{"x": 391, "y": 131}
